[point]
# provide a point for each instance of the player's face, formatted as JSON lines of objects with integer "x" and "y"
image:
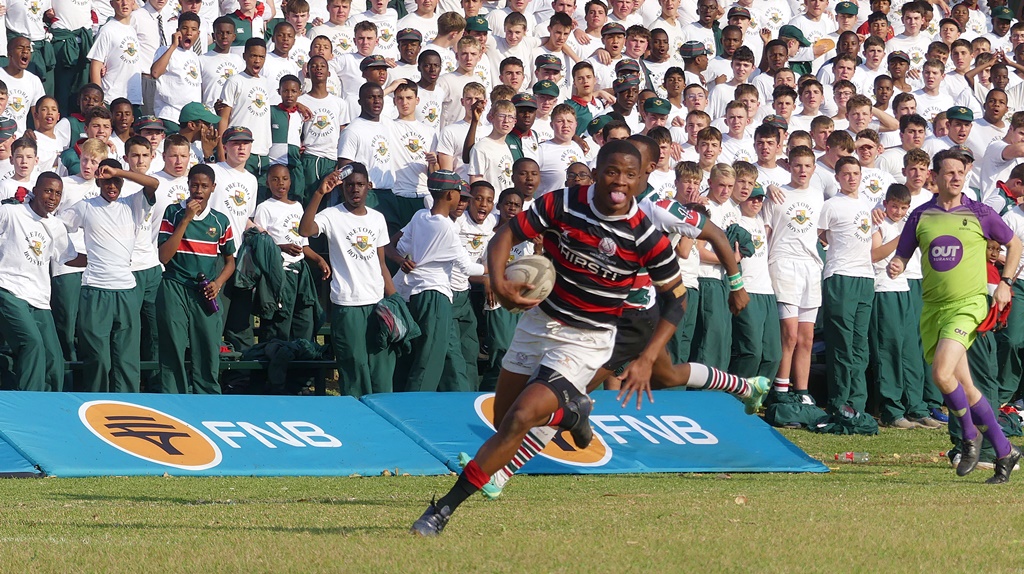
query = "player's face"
{"x": 801, "y": 169}
{"x": 766, "y": 149}
{"x": 284, "y": 39}
{"x": 355, "y": 188}
{"x": 88, "y": 165}
{"x": 47, "y": 194}
{"x": 200, "y": 186}
{"x": 223, "y": 36}
{"x": 867, "y": 151}
{"x": 526, "y": 178}
{"x": 481, "y": 204}
{"x": 254, "y": 57}
{"x": 46, "y": 114}
{"x": 617, "y": 182}
{"x": 237, "y": 152}
{"x": 895, "y": 210}
{"x": 279, "y": 180}
{"x": 564, "y": 127}
{"x": 406, "y": 102}
{"x": 409, "y": 50}
{"x": 290, "y": 92}
{"x": 430, "y": 69}
{"x": 189, "y": 33}
{"x": 24, "y": 161}
{"x": 719, "y": 189}
{"x": 138, "y": 158}
{"x": 98, "y": 128}
{"x": 917, "y": 176}
{"x": 510, "y": 207}
{"x": 372, "y": 103}
{"x": 176, "y": 160}
{"x": 951, "y": 176}
{"x": 995, "y": 106}
{"x": 848, "y": 178}
{"x": 110, "y": 188}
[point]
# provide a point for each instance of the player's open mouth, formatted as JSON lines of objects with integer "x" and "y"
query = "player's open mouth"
{"x": 618, "y": 197}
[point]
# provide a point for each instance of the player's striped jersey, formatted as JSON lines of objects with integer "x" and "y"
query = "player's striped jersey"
{"x": 207, "y": 236}
{"x": 596, "y": 258}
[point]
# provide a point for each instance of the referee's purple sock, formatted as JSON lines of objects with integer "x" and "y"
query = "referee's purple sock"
{"x": 958, "y": 407}
{"x": 985, "y": 420}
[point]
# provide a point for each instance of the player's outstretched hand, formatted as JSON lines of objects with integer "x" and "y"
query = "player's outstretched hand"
{"x": 330, "y": 182}
{"x": 636, "y": 379}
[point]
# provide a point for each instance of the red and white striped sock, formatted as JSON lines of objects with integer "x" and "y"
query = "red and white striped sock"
{"x": 712, "y": 379}
{"x": 781, "y": 386}
{"x": 535, "y": 441}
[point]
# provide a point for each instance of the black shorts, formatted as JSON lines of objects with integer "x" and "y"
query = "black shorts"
{"x": 633, "y": 331}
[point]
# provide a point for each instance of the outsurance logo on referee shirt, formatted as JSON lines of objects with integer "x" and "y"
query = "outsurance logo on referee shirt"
{"x": 149, "y": 434}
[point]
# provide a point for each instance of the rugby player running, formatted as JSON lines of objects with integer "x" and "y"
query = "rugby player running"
{"x": 639, "y": 319}
{"x": 951, "y": 231}
{"x": 598, "y": 239}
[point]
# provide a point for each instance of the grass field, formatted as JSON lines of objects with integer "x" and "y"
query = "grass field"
{"x": 905, "y": 511}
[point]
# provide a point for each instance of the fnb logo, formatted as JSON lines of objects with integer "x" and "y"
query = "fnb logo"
{"x": 651, "y": 429}
{"x": 149, "y": 434}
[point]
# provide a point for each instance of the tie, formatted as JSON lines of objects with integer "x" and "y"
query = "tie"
{"x": 160, "y": 29}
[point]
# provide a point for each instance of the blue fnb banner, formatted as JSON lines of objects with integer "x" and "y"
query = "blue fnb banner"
{"x": 71, "y": 434}
{"x": 679, "y": 432}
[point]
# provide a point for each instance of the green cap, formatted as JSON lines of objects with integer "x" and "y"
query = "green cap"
{"x": 960, "y": 113}
{"x": 597, "y": 124}
{"x": 236, "y": 133}
{"x": 788, "y": 31}
{"x": 757, "y": 192}
{"x": 444, "y": 179}
{"x": 848, "y": 8}
{"x": 149, "y": 123}
{"x": 657, "y": 106}
{"x": 373, "y": 61}
{"x": 8, "y": 128}
{"x": 692, "y": 49}
{"x": 524, "y": 100}
{"x": 548, "y": 62}
{"x": 195, "y": 111}
{"x": 612, "y": 28}
{"x": 546, "y": 88}
{"x": 1002, "y": 13}
{"x": 623, "y": 83}
{"x": 477, "y": 24}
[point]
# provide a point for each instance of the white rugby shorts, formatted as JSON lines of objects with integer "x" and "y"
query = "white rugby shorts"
{"x": 574, "y": 353}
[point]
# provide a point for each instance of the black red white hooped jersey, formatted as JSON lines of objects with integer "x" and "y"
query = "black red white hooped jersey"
{"x": 596, "y": 258}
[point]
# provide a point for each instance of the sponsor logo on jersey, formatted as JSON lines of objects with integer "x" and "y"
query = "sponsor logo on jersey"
{"x": 150, "y": 434}
{"x": 945, "y": 253}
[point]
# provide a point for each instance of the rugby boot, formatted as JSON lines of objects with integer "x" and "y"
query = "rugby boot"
{"x": 759, "y": 387}
{"x": 581, "y": 432}
{"x": 432, "y": 522}
{"x": 970, "y": 452}
{"x": 1004, "y": 466}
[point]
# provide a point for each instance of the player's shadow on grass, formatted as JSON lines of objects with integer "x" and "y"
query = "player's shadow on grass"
{"x": 333, "y": 530}
{"x": 223, "y": 502}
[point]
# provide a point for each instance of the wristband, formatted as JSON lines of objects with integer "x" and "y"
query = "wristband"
{"x": 1007, "y": 280}
{"x": 735, "y": 282}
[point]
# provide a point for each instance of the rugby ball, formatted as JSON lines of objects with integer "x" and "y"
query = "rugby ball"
{"x": 536, "y": 270}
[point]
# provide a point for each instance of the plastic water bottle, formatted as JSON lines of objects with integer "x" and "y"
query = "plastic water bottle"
{"x": 211, "y": 304}
{"x": 852, "y": 457}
